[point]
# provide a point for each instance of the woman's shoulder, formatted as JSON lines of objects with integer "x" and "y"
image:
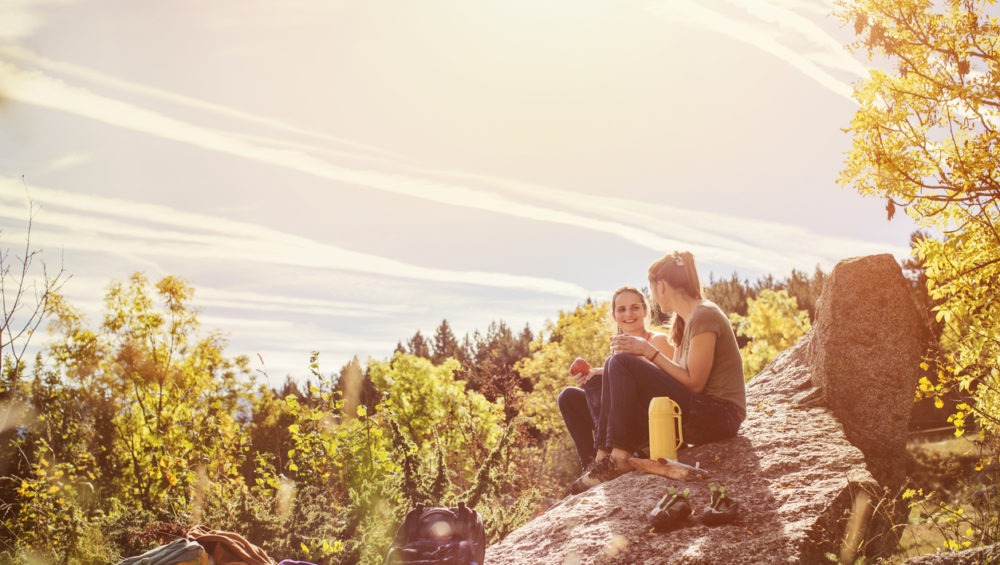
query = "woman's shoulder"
{"x": 708, "y": 314}
{"x": 658, "y": 335}
{"x": 661, "y": 341}
{"x": 706, "y": 306}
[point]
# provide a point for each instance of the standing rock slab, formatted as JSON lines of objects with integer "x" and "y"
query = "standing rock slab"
{"x": 869, "y": 341}
{"x": 805, "y": 491}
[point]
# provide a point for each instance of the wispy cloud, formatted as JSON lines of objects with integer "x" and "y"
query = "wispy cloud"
{"x": 748, "y": 244}
{"x": 95, "y": 77}
{"x": 776, "y": 29}
{"x": 158, "y": 231}
{"x": 41, "y": 90}
{"x": 770, "y": 248}
{"x": 20, "y": 19}
{"x": 68, "y": 161}
{"x": 289, "y": 318}
{"x": 245, "y": 301}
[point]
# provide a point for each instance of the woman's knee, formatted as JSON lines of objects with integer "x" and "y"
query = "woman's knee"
{"x": 571, "y": 396}
{"x": 621, "y": 365}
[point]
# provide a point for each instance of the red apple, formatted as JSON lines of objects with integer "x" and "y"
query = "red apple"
{"x": 579, "y": 366}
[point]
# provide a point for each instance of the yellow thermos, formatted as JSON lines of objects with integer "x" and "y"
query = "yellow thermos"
{"x": 665, "y": 436}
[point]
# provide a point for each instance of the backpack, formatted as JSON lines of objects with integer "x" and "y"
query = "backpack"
{"x": 440, "y": 536}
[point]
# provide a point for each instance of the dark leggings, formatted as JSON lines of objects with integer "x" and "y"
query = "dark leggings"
{"x": 630, "y": 382}
{"x": 580, "y": 408}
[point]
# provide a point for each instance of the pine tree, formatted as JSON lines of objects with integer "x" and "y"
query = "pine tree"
{"x": 445, "y": 345}
{"x": 730, "y": 294}
{"x": 418, "y": 346}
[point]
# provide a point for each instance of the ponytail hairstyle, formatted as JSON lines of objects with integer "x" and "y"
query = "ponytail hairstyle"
{"x": 614, "y": 298}
{"x": 677, "y": 270}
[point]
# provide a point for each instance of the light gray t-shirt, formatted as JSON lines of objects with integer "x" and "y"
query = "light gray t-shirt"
{"x": 725, "y": 382}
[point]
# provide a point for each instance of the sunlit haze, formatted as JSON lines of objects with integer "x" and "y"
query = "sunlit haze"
{"x": 335, "y": 175}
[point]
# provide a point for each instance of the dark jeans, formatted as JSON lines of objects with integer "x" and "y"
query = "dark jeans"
{"x": 580, "y": 408}
{"x": 630, "y": 382}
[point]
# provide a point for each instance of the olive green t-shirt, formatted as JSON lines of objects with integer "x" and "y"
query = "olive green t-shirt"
{"x": 725, "y": 381}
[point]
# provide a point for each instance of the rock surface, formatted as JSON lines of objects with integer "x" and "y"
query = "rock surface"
{"x": 974, "y": 556}
{"x": 869, "y": 342}
{"x": 795, "y": 474}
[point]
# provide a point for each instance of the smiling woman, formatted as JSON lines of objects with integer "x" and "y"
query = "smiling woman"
{"x": 586, "y": 408}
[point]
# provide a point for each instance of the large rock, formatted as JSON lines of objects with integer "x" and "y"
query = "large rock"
{"x": 805, "y": 490}
{"x": 869, "y": 341}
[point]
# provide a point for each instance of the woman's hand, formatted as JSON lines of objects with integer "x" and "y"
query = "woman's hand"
{"x": 624, "y": 343}
{"x": 582, "y": 378}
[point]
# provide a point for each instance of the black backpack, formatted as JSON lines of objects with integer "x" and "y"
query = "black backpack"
{"x": 438, "y": 535}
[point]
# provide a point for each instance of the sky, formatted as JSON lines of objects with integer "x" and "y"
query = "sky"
{"x": 334, "y": 175}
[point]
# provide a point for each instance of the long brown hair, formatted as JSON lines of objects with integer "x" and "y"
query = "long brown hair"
{"x": 677, "y": 270}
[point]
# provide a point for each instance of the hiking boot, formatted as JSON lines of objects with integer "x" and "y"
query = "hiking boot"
{"x": 722, "y": 510}
{"x": 671, "y": 511}
{"x": 601, "y": 471}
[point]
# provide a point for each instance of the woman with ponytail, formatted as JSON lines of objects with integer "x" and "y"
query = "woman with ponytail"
{"x": 704, "y": 376}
